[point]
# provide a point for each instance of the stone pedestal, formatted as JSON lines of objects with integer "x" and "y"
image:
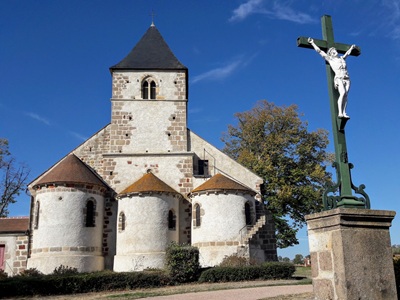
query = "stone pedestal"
{"x": 351, "y": 254}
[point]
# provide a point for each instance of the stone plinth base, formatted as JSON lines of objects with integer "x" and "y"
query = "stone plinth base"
{"x": 351, "y": 256}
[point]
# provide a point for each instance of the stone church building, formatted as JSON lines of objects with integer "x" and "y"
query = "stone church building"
{"x": 145, "y": 180}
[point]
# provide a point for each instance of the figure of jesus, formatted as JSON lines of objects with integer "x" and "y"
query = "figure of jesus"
{"x": 342, "y": 79}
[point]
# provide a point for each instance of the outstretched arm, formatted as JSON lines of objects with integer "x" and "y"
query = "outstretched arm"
{"x": 348, "y": 52}
{"x": 319, "y": 51}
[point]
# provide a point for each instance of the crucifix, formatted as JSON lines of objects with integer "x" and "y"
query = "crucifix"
{"x": 340, "y": 193}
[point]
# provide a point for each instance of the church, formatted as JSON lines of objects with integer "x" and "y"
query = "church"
{"x": 143, "y": 181}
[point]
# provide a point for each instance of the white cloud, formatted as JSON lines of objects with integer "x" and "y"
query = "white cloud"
{"x": 195, "y": 110}
{"x": 287, "y": 13}
{"x": 218, "y": 73}
{"x": 278, "y": 11}
{"x": 226, "y": 70}
{"x": 37, "y": 118}
{"x": 245, "y": 9}
{"x": 78, "y": 136}
{"x": 392, "y": 8}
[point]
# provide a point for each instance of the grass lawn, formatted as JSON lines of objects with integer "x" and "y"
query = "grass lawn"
{"x": 302, "y": 272}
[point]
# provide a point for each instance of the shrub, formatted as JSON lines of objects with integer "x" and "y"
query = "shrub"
{"x": 65, "y": 270}
{"x": 3, "y": 274}
{"x": 396, "y": 265}
{"x": 270, "y": 270}
{"x": 31, "y": 272}
{"x": 182, "y": 262}
{"x": 236, "y": 261}
{"x": 278, "y": 270}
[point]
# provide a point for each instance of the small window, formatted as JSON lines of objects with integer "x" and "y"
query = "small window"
{"x": 121, "y": 222}
{"x": 171, "y": 220}
{"x": 90, "y": 214}
{"x": 247, "y": 213}
{"x": 37, "y": 212}
{"x": 203, "y": 167}
{"x": 197, "y": 222}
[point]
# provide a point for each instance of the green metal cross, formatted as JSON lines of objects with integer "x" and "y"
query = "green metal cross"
{"x": 344, "y": 184}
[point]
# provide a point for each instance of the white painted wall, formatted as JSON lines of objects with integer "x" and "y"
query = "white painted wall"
{"x": 222, "y": 219}
{"x": 62, "y": 224}
{"x": 146, "y": 236}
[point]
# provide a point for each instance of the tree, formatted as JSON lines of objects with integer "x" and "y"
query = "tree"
{"x": 274, "y": 143}
{"x": 284, "y": 259}
{"x": 396, "y": 249}
{"x": 12, "y": 178}
{"x": 298, "y": 259}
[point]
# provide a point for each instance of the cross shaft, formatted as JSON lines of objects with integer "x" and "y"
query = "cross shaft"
{"x": 344, "y": 183}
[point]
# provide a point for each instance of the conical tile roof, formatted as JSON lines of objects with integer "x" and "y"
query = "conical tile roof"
{"x": 221, "y": 182}
{"x": 151, "y": 52}
{"x": 148, "y": 183}
{"x": 71, "y": 170}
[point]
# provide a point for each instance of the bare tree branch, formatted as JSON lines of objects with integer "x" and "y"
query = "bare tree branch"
{"x": 12, "y": 178}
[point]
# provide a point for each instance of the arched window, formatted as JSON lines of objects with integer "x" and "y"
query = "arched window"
{"x": 152, "y": 90}
{"x": 36, "y": 225}
{"x": 247, "y": 213}
{"x": 121, "y": 222}
{"x": 148, "y": 89}
{"x": 171, "y": 220}
{"x": 145, "y": 90}
{"x": 197, "y": 222}
{"x": 90, "y": 214}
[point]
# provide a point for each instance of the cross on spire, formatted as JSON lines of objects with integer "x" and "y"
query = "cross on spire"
{"x": 344, "y": 185}
{"x": 152, "y": 14}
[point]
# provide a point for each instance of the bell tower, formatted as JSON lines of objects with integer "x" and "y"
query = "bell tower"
{"x": 149, "y": 99}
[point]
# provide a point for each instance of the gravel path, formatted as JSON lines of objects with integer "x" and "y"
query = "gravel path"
{"x": 250, "y": 290}
{"x": 254, "y": 293}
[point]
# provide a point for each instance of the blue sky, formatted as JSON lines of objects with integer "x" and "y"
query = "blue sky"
{"x": 55, "y": 86}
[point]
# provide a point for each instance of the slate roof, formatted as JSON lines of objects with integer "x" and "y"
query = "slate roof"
{"x": 151, "y": 52}
{"x": 14, "y": 225}
{"x": 220, "y": 182}
{"x": 148, "y": 183}
{"x": 71, "y": 170}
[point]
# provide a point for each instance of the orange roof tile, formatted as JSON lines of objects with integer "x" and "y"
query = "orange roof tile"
{"x": 71, "y": 170}
{"x": 221, "y": 182}
{"x": 14, "y": 225}
{"x": 148, "y": 183}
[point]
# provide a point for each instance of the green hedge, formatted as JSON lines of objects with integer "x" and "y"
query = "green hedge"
{"x": 44, "y": 285}
{"x": 80, "y": 283}
{"x": 270, "y": 270}
{"x": 396, "y": 265}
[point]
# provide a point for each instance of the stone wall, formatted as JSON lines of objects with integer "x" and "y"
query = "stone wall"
{"x": 16, "y": 252}
{"x": 169, "y": 84}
